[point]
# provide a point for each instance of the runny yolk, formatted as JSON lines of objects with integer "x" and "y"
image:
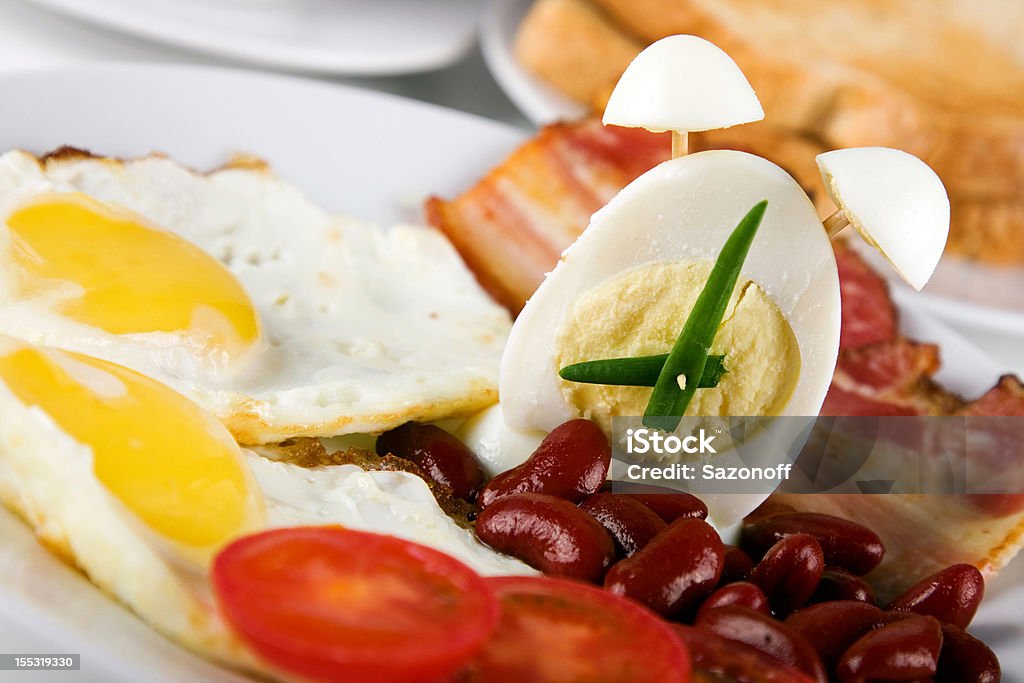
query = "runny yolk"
{"x": 171, "y": 464}
{"x": 126, "y": 276}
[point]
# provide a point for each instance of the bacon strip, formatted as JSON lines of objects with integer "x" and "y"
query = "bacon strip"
{"x": 513, "y": 225}
{"x": 869, "y": 315}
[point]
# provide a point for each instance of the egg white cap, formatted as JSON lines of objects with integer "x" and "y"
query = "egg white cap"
{"x": 895, "y": 201}
{"x": 682, "y": 83}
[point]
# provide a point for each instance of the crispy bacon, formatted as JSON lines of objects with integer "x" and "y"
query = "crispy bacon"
{"x": 869, "y": 316}
{"x": 513, "y": 225}
{"x": 888, "y": 378}
{"x": 1005, "y": 398}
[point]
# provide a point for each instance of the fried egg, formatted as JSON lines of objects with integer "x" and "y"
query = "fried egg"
{"x": 139, "y": 487}
{"x": 234, "y": 289}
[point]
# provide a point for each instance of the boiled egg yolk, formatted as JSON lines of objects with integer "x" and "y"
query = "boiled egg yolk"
{"x": 641, "y": 311}
{"x": 169, "y": 463}
{"x": 108, "y": 268}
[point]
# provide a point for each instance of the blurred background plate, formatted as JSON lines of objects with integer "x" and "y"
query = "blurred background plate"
{"x": 351, "y": 37}
{"x": 980, "y": 299}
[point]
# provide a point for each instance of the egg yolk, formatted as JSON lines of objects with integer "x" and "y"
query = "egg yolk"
{"x": 168, "y": 462}
{"x": 640, "y": 312}
{"x": 126, "y": 276}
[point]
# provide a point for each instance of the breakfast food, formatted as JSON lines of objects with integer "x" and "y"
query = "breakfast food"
{"x": 943, "y": 82}
{"x": 682, "y": 83}
{"x": 234, "y": 289}
{"x": 404, "y": 558}
{"x": 636, "y": 271}
{"x": 878, "y": 372}
{"x": 535, "y": 203}
{"x": 140, "y": 488}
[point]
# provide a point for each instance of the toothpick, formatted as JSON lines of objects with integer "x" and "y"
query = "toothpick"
{"x": 835, "y": 223}
{"x": 680, "y": 144}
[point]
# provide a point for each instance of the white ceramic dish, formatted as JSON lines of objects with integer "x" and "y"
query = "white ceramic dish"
{"x": 367, "y": 154}
{"x": 960, "y": 292}
{"x": 353, "y": 37}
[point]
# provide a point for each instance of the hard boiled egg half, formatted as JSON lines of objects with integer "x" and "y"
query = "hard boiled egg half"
{"x": 626, "y": 287}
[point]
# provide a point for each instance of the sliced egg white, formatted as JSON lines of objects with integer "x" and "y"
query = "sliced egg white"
{"x": 680, "y": 213}
{"x": 683, "y": 211}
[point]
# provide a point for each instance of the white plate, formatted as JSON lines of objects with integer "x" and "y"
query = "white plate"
{"x": 354, "y": 37}
{"x": 367, "y": 154}
{"x": 961, "y": 292}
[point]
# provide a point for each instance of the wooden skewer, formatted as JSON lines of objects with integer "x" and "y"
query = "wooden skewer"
{"x": 835, "y": 223}
{"x": 680, "y": 144}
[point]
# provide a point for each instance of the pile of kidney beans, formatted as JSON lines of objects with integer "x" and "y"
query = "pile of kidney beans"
{"x": 793, "y": 591}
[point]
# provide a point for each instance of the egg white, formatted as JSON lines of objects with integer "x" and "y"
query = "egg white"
{"x": 47, "y": 477}
{"x": 684, "y": 210}
{"x": 364, "y": 328}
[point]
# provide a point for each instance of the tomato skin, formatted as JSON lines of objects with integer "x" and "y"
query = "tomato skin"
{"x": 332, "y": 604}
{"x": 562, "y": 631}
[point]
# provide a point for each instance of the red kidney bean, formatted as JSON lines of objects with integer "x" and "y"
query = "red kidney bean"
{"x": 739, "y": 593}
{"x": 673, "y": 506}
{"x": 441, "y": 456}
{"x": 680, "y": 566}
{"x": 839, "y": 584}
{"x": 906, "y": 650}
{"x": 571, "y": 462}
{"x": 549, "y": 534}
{"x": 951, "y": 595}
{"x": 832, "y": 627}
{"x": 846, "y": 544}
{"x": 789, "y": 572}
{"x": 965, "y": 659}
{"x": 760, "y": 631}
{"x": 631, "y": 523}
{"x": 736, "y": 662}
{"x": 737, "y": 565}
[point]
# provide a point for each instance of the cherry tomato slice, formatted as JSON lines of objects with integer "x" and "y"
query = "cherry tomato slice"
{"x": 560, "y": 631}
{"x": 332, "y": 604}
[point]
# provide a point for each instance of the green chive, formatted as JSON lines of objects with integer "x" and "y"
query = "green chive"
{"x": 689, "y": 355}
{"x": 641, "y": 371}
